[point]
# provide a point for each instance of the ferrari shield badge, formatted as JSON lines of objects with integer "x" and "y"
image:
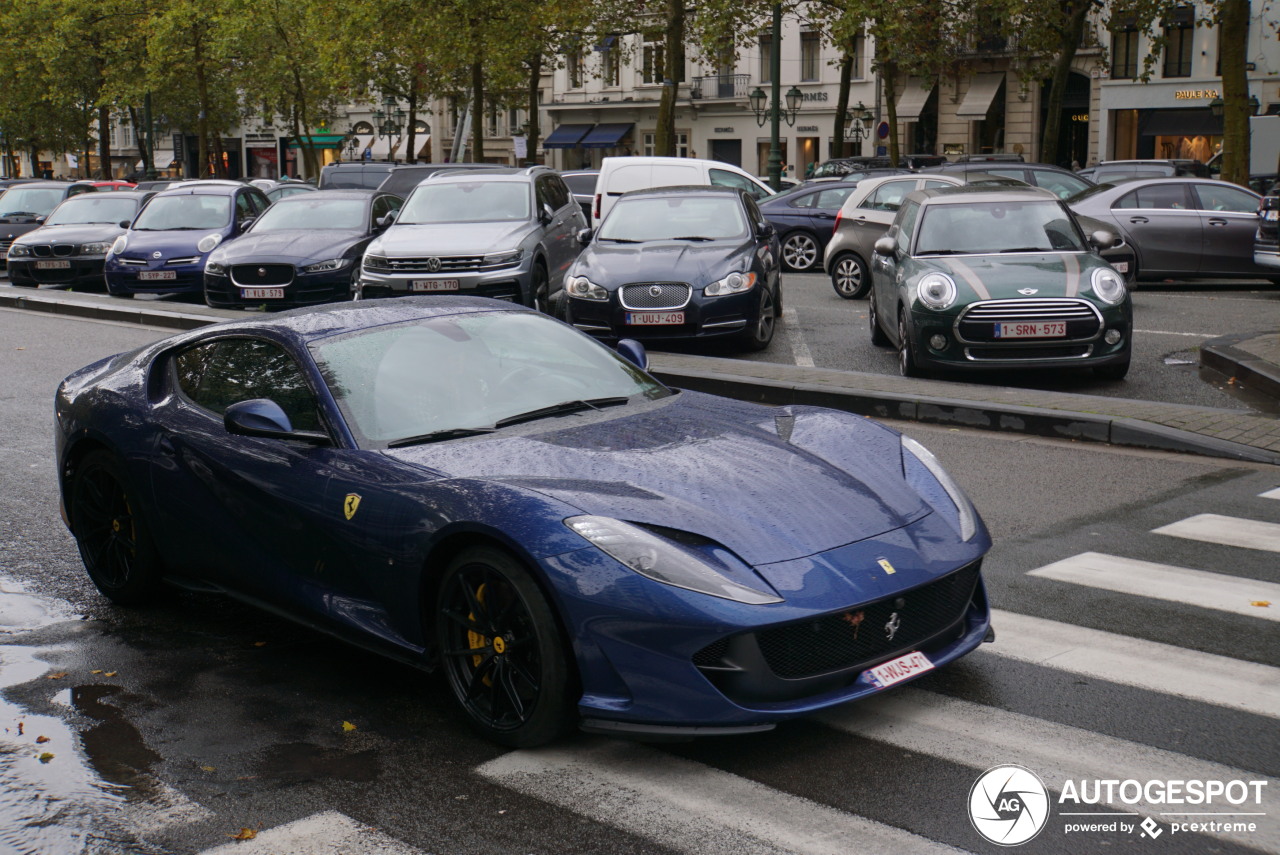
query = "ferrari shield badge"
{"x": 884, "y": 562}
{"x": 350, "y": 504}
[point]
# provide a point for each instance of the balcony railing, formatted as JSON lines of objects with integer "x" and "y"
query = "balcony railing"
{"x": 726, "y": 86}
{"x": 990, "y": 46}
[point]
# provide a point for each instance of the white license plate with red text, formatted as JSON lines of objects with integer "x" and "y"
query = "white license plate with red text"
{"x": 433, "y": 285}
{"x": 654, "y": 318}
{"x": 157, "y": 275}
{"x": 52, "y": 265}
{"x": 1120, "y": 266}
{"x": 902, "y": 668}
{"x": 1044, "y": 329}
{"x": 262, "y": 293}
{"x": 1271, "y": 215}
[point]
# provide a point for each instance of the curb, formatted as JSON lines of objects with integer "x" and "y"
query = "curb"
{"x": 1222, "y": 355}
{"x": 129, "y": 314}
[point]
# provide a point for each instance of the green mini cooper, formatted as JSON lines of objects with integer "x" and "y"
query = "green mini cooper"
{"x": 971, "y": 278}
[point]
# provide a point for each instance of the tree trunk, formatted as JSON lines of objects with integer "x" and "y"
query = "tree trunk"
{"x": 1233, "y": 20}
{"x": 842, "y": 104}
{"x": 889, "y": 74}
{"x": 477, "y": 112}
{"x": 202, "y": 121}
{"x": 104, "y": 141}
{"x": 1076, "y": 13}
{"x": 672, "y": 65}
{"x": 411, "y": 98}
{"x": 534, "y": 135}
{"x": 141, "y": 136}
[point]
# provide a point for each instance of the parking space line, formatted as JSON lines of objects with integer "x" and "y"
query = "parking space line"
{"x": 1227, "y": 531}
{"x": 1203, "y": 677}
{"x": 799, "y": 348}
{"x": 1167, "y": 332}
{"x": 1166, "y": 582}
{"x": 1270, "y": 494}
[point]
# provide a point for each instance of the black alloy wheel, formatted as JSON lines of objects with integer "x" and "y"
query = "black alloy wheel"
{"x": 849, "y": 276}
{"x": 906, "y": 353}
{"x": 113, "y": 538}
{"x": 800, "y": 252}
{"x": 501, "y": 649}
{"x": 759, "y": 335}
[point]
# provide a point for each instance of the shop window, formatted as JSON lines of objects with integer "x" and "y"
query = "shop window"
{"x": 1179, "y": 32}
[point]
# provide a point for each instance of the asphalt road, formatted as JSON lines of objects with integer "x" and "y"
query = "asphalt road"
{"x": 174, "y": 727}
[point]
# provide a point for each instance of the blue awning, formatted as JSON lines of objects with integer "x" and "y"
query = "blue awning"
{"x": 606, "y": 136}
{"x": 566, "y": 136}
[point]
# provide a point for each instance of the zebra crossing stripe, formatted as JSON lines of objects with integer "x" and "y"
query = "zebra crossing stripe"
{"x": 1204, "y": 677}
{"x": 1270, "y": 494}
{"x": 1166, "y": 582}
{"x": 689, "y": 807}
{"x": 1227, "y": 531}
{"x": 980, "y": 737}
{"x": 326, "y": 833}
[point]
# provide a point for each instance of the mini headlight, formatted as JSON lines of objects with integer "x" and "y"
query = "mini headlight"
{"x": 330, "y": 264}
{"x": 99, "y": 248}
{"x": 734, "y": 283}
{"x": 936, "y": 290}
{"x": 19, "y": 251}
{"x": 208, "y": 242}
{"x": 1108, "y": 285}
{"x": 966, "y": 517}
{"x": 665, "y": 560}
{"x": 119, "y": 245}
{"x": 584, "y": 289}
{"x": 502, "y": 259}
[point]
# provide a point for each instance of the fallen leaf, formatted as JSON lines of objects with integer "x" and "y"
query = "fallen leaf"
{"x": 208, "y": 768}
{"x": 259, "y": 644}
{"x": 41, "y": 740}
{"x": 56, "y": 675}
{"x": 98, "y": 671}
{"x": 245, "y": 834}
{"x": 348, "y": 726}
{"x": 46, "y": 757}
{"x": 1262, "y": 604}
{"x": 19, "y": 348}
{"x": 111, "y": 673}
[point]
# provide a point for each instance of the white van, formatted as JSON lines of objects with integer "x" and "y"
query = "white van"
{"x": 620, "y": 175}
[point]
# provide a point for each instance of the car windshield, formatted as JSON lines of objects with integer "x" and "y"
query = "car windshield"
{"x": 92, "y": 208}
{"x": 188, "y": 211}
{"x": 467, "y": 202}
{"x": 435, "y": 377}
{"x": 993, "y": 227}
{"x": 307, "y": 213}
{"x": 675, "y": 218}
{"x": 30, "y": 200}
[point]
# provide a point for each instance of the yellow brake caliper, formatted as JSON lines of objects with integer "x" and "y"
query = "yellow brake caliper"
{"x": 476, "y": 641}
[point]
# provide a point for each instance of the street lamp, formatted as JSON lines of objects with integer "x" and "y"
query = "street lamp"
{"x": 1216, "y": 105}
{"x": 788, "y": 114}
{"x": 775, "y": 112}
{"x": 860, "y": 122}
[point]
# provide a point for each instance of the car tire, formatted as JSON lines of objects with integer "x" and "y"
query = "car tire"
{"x": 759, "y": 336}
{"x": 849, "y": 276}
{"x": 878, "y": 337}
{"x": 113, "y": 537}
{"x": 1115, "y": 371}
{"x": 800, "y": 251}
{"x": 501, "y": 649}
{"x": 538, "y": 288}
{"x": 907, "y": 366}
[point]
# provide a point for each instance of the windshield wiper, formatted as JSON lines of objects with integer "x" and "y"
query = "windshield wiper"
{"x": 439, "y": 436}
{"x": 1028, "y": 249}
{"x": 22, "y": 214}
{"x": 621, "y": 240}
{"x": 692, "y": 237}
{"x": 560, "y": 409}
{"x": 948, "y": 252}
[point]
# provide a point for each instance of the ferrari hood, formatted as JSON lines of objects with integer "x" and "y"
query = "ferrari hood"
{"x": 766, "y": 483}
{"x": 1011, "y": 275}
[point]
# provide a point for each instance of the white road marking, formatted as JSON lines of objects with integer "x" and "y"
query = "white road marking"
{"x": 1168, "y": 332}
{"x": 1203, "y": 677}
{"x": 1270, "y": 494}
{"x": 1166, "y": 582}
{"x": 688, "y": 807}
{"x": 799, "y": 348}
{"x": 326, "y": 833}
{"x": 981, "y": 737}
{"x": 167, "y": 807}
{"x": 1227, "y": 531}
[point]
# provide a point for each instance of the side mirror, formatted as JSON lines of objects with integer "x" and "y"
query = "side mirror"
{"x": 766, "y": 230}
{"x": 886, "y": 246}
{"x": 124, "y": 224}
{"x": 263, "y": 417}
{"x": 1103, "y": 239}
{"x": 245, "y": 223}
{"x": 387, "y": 220}
{"x": 546, "y": 215}
{"x": 41, "y": 220}
{"x": 634, "y": 352}
{"x": 585, "y": 236}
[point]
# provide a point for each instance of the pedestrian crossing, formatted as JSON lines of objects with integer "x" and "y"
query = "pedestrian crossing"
{"x": 682, "y": 805}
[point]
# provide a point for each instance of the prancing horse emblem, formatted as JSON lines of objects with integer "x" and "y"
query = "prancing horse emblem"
{"x": 352, "y": 502}
{"x": 1027, "y": 292}
{"x": 891, "y": 628}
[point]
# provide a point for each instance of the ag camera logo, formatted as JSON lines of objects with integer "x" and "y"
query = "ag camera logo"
{"x": 1008, "y": 805}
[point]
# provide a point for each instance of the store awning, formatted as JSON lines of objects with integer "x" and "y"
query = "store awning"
{"x": 566, "y": 136}
{"x": 606, "y": 136}
{"x": 379, "y": 148}
{"x": 163, "y": 159}
{"x": 1182, "y": 123}
{"x": 913, "y": 99}
{"x": 319, "y": 141}
{"x": 977, "y": 101}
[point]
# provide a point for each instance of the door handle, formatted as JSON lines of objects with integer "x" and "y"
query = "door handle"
{"x": 1217, "y": 222}
{"x": 1138, "y": 220}
{"x": 823, "y": 216}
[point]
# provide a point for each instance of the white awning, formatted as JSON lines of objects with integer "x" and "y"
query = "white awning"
{"x": 162, "y": 157}
{"x": 379, "y": 148}
{"x": 424, "y": 147}
{"x": 977, "y": 101}
{"x": 913, "y": 98}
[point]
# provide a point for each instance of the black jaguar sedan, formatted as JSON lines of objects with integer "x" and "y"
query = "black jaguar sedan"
{"x": 679, "y": 263}
{"x": 303, "y": 250}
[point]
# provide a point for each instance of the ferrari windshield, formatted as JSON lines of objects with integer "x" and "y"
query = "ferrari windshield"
{"x": 672, "y": 217}
{"x": 188, "y": 211}
{"x": 306, "y": 213}
{"x": 37, "y": 201}
{"x": 996, "y": 227}
{"x": 437, "y": 377}
{"x": 467, "y": 202}
{"x": 92, "y": 208}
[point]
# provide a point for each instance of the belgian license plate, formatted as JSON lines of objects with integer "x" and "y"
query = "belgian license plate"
{"x": 52, "y": 265}
{"x": 1120, "y": 266}
{"x": 157, "y": 275}
{"x": 433, "y": 285}
{"x": 654, "y": 318}
{"x": 1271, "y": 215}
{"x": 897, "y": 670}
{"x": 262, "y": 293}
{"x": 1047, "y": 329}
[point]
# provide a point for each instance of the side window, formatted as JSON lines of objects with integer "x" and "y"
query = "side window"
{"x": 1157, "y": 196}
{"x": 888, "y": 196}
{"x": 753, "y": 211}
{"x": 244, "y": 208}
{"x": 1015, "y": 174}
{"x": 833, "y": 198}
{"x": 1221, "y": 197}
{"x": 559, "y": 191}
{"x": 220, "y": 373}
{"x": 382, "y": 206}
{"x": 725, "y": 178}
{"x": 1062, "y": 186}
{"x": 907, "y": 223}
{"x": 935, "y": 184}
{"x": 805, "y": 200}
{"x": 542, "y": 187}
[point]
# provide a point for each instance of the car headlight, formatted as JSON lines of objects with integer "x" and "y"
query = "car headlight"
{"x": 208, "y": 242}
{"x": 584, "y": 289}
{"x": 99, "y": 248}
{"x": 936, "y": 290}
{"x": 215, "y": 268}
{"x": 19, "y": 251}
{"x": 666, "y": 561}
{"x": 331, "y": 264}
{"x": 374, "y": 262}
{"x": 917, "y": 464}
{"x": 734, "y": 283}
{"x": 119, "y": 245}
{"x": 503, "y": 259}
{"x": 1108, "y": 285}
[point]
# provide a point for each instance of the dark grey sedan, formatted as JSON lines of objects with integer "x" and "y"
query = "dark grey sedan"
{"x": 1180, "y": 228}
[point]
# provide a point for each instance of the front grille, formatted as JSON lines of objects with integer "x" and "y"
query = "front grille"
{"x": 1013, "y": 352}
{"x": 656, "y": 295}
{"x": 190, "y": 259}
{"x": 59, "y": 250}
{"x": 857, "y": 638}
{"x": 434, "y": 265}
{"x": 977, "y": 322}
{"x": 4, "y": 245}
{"x": 254, "y": 275}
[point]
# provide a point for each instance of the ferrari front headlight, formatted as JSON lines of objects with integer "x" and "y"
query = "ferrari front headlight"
{"x": 965, "y": 517}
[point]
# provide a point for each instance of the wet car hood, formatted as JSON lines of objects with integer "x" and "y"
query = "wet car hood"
{"x": 291, "y": 245}
{"x": 175, "y": 243}
{"x": 768, "y": 484}
{"x": 73, "y": 233}
{"x": 1002, "y": 276}
{"x": 695, "y": 262}
{"x": 450, "y": 238}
